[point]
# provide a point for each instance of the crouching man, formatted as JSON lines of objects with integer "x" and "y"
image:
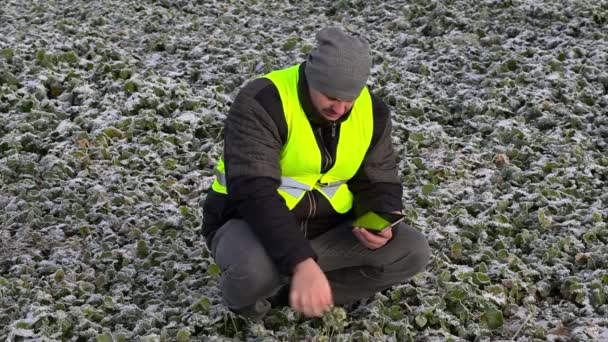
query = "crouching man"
{"x": 305, "y": 149}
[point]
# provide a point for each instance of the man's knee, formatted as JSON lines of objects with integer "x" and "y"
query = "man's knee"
{"x": 245, "y": 282}
{"x": 414, "y": 252}
{"x": 248, "y": 273}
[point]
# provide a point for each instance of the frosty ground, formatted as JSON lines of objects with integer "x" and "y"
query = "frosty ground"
{"x": 111, "y": 123}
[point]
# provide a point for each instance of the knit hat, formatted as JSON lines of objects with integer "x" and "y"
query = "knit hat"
{"x": 340, "y": 64}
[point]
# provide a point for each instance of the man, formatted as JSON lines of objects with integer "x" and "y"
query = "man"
{"x": 304, "y": 147}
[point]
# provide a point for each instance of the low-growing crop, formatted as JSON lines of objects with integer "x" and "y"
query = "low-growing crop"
{"x": 111, "y": 123}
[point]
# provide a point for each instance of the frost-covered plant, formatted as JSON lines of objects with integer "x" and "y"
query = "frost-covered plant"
{"x": 111, "y": 123}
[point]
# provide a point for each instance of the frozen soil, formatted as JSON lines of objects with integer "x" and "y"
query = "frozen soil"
{"x": 111, "y": 123}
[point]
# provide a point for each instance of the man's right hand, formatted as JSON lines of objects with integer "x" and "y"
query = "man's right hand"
{"x": 310, "y": 292}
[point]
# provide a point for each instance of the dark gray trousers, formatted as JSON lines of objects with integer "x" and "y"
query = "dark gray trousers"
{"x": 354, "y": 272}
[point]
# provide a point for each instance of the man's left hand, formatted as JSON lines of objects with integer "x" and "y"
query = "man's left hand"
{"x": 373, "y": 240}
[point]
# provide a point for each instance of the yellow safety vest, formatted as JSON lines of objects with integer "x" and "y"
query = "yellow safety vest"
{"x": 300, "y": 160}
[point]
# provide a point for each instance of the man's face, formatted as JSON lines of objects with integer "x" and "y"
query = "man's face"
{"x": 332, "y": 109}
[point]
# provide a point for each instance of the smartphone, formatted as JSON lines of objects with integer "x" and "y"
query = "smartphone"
{"x": 378, "y": 222}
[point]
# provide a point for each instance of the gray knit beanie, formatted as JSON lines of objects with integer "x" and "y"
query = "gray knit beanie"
{"x": 340, "y": 64}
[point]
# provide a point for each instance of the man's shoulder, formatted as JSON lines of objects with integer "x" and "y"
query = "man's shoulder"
{"x": 258, "y": 88}
{"x": 260, "y": 98}
{"x": 379, "y": 107}
{"x": 382, "y": 118}
{"x": 261, "y": 91}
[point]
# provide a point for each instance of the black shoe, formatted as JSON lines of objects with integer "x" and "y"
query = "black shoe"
{"x": 281, "y": 298}
{"x": 254, "y": 312}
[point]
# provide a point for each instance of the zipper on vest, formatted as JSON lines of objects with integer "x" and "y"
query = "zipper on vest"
{"x": 327, "y": 160}
{"x": 333, "y": 129}
{"x": 312, "y": 208}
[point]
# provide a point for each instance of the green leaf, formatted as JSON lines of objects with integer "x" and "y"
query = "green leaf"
{"x": 420, "y": 321}
{"x": 87, "y": 256}
{"x": 214, "y": 269}
{"x": 543, "y": 218}
{"x": 444, "y": 276}
{"x": 171, "y": 164}
{"x": 105, "y": 337}
{"x": 501, "y": 218}
{"x": 552, "y": 252}
{"x": 395, "y": 313}
{"x": 424, "y": 70}
{"x": 428, "y": 189}
{"x": 549, "y": 166}
{"x": 456, "y": 250}
{"x": 416, "y": 136}
{"x": 202, "y": 305}
{"x": 8, "y": 78}
{"x": 40, "y": 55}
{"x": 183, "y": 335}
{"x": 495, "y": 289}
{"x": 59, "y": 275}
{"x": 7, "y": 53}
{"x": 416, "y": 112}
{"x": 44, "y": 59}
{"x": 150, "y": 338}
{"x": 597, "y": 217}
{"x": 291, "y": 43}
{"x": 86, "y": 287}
{"x": 462, "y": 275}
{"x": 543, "y": 288}
{"x": 130, "y": 87}
{"x": 113, "y": 132}
{"x": 69, "y": 57}
{"x": 493, "y": 318}
{"x": 23, "y": 325}
{"x": 555, "y": 65}
{"x": 482, "y": 267}
{"x": 456, "y": 293}
{"x": 158, "y": 91}
{"x": 502, "y": 254}
{"x": 510, "y": 65}
{"x": 598, "y": 297}
{"x": 84, "y": 230}
{"x": 184, "y": 210}
{"x": 306, "y": 48}
{"x": 419, "y": 163}
{"x": 124, "y": 74}
{"x": 142, "y": 249}
{"x": 481, "y": 278}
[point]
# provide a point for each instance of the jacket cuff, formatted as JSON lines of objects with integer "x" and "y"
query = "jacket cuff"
{"x": 296, "y": 256}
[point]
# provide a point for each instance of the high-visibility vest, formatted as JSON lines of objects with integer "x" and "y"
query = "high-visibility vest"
{"x": 301, "y": 159}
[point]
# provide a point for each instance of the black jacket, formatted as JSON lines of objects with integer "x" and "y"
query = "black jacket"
{"x": 255, "y": 132}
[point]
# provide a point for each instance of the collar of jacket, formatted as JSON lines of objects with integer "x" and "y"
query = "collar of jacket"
{"x": 313, "y": 115}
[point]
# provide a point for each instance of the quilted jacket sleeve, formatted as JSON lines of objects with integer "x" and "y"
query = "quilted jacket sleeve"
{"x": 252, "y": 148}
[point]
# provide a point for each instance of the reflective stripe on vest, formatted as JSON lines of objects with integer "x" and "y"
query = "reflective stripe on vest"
{"x": 292, "y": 186}
{"x": 300, "y": 159}
{"x": 219, "y": 184}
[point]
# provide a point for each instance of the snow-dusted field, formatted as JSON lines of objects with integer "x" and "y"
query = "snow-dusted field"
{"x": 111, "y": 122}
